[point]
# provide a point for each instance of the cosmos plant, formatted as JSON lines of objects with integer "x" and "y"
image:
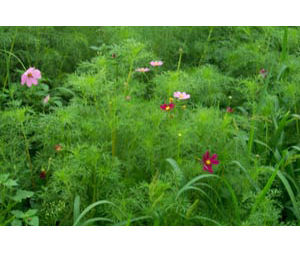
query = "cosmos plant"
{"x": 31, "y": 76}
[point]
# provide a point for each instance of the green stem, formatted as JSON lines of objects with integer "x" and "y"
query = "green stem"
{"x": 179, "y": 149}
{"x": 28, "y": 154}
{"x": 179, "y": 60}
{"x": 297, "y": 124}
{"x": 12, "y": 54}
{"x": 128, "y": 77}
{"x": 206, "y": 44}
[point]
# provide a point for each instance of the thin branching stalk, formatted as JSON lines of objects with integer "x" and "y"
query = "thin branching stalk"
{"x": 27, "y": 153}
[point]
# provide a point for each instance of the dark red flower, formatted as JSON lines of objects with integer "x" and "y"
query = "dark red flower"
{"x": 43, "y": 174}
{"x": 208, "y": 161}
{"x": 263, "y": 73}
{"x": 229, "y": 109}
{"x": 167, "y": 107}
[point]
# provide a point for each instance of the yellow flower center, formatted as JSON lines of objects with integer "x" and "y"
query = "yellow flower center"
{"x": 167, "y": 108}
{"x": 181, "y": 96}
{"x": 208, "y": 162}
{"x": 29, "y": 75}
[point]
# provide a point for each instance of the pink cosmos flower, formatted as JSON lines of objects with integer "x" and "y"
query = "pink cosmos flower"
{"x": 181, "y": 96}
{"x": 208, "y": 161}
{"x": 167, "y": 107}
{"x": 46, "y": 99}
{"x": 142, "y": 70}
{"x": 156, "y": 63}
{"x": 31, "y": 76}
{"x": 263, "y": 73}
{"x": 229, "y": 109}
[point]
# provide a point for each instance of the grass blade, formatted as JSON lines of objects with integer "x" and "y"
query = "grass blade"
{"x": 290, "y": 192}
{"x": 76, "y": 208}
{"x": 247, "y": 176}
{"x": 177, "y": 169}
{"x": 127, "y": 222}
{"x": 86, "y": 210}
{"x": 91, "y": 221}
{"x": 207, "y": 219}
{"x": 267, "y": 187}
{"x": 194, "y": 180}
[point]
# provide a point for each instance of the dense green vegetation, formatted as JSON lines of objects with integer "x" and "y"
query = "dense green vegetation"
{"x": 91, "y": 145}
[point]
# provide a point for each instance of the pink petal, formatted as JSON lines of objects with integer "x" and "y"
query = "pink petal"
{"x": 36, "y": 73}
{"x": 176, "y": 94}
{"x": 214, "y": 161}
{"x": 34, "y": 81}
{"x": 23, "y": 79}
{"x": 214, "y": 156}
{"x": 31, "y": 69}
{"x": 29, "y": 83}
{"x": 206, "y": 155}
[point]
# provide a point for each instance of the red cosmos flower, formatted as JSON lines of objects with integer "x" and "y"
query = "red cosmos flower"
{"x": 229, "y": 109}
{"x": 209, "y": 161}
{"x": 167, "y": 107}
{"x": 43, "y": 174}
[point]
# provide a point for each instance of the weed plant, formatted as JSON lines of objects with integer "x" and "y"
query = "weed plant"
{"x": 98, "y": 142}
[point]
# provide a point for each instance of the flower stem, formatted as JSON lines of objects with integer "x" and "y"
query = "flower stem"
{"x": 28, "y": 154}
{"x": 179, "y": 60}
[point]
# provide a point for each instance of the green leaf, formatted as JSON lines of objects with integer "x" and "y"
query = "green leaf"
{"x": 30, "y": 213}
{"x": 10, "y": 183}
{"x": 16, "y": 222}
{"x": 18, "y": 214}
{"x": 22, "y": 194}
{"x": 34, "y": 221}
{"x": 3, "y": 178}
{"x": 58, "y": 103}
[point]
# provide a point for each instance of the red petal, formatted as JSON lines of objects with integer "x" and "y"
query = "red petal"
{"x": 214, "y": 162}
{"x": 214, "y": 156}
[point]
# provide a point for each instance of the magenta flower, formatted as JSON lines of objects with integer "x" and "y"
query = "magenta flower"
{"x": 167, "y": 107}
{"x": 208, "y": 161}
{"x": 181, "y": 96}
{"x": 263, "y": 73}
{"x": 156, "y": 63}
{"x": 46, "y": 99}
{"x": 43, "y": 174}
{"x": 229, "y": 109}
{"x": 142, "y": 70}
{"x": 31, "y": 76}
